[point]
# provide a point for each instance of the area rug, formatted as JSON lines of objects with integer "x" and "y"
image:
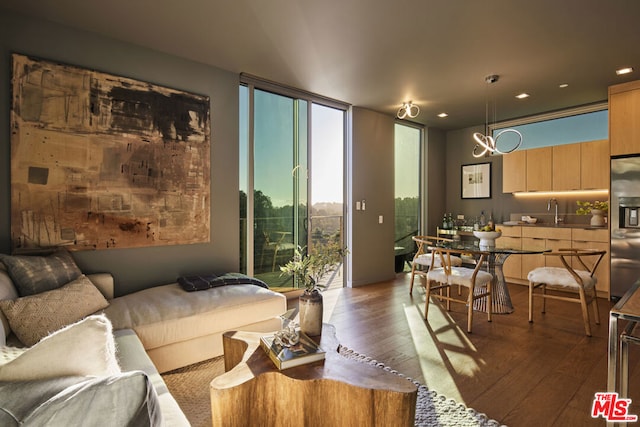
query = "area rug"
{"x": 190, "y": 387}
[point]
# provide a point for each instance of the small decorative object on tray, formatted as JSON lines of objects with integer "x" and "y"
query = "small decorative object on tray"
{"x": 290, "y": 347}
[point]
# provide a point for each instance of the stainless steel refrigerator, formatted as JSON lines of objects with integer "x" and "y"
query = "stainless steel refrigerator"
{"x": 625, "y": 228}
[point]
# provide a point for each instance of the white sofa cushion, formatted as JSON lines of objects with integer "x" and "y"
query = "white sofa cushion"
{"x": 168, "y": 314}
{"x": 126, "y": 399}
{"x": 83, "y": 348}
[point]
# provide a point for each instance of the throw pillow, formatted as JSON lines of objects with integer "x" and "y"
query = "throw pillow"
{"x": 35, "y": 274}
{"x": 85, "y": 348}
{"x": 34, "y": 317}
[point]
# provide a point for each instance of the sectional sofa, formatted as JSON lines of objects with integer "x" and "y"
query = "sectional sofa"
{"x": 58, "y": 326}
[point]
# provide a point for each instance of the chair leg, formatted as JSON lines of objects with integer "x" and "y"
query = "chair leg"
{"x": 544, "y": 298}
{"x": 448, "y": 298}
{"x": 585, "y": 312}
{"x": 428, "y": 294}
{"x": 489, "y": 300}
{"x": 275, "y": 256}
{"x": 531, "y": 285}
{"x": 596, "y": 310}
{"x": 470, "y": 310}
{"x": 413, "y": 275}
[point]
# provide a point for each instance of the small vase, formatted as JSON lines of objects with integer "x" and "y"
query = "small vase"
{"x": 597, "y": 220}
{"x": 310, "y": 305}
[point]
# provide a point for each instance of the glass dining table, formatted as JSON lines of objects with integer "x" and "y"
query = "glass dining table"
{"x": 495, "y": 258}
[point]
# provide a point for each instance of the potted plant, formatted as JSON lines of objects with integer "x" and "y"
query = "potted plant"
{"x": 308, "y": 270}
{"x": 597, "y": 209}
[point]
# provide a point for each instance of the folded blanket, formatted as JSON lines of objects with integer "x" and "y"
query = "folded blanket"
{"x": 200, "y": 283}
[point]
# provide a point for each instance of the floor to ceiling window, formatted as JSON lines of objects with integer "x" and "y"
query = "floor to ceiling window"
{"x": 407, "y": 155}
{"x": 291, "y": 178}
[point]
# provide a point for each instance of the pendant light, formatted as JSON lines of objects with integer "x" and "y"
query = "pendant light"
{"x": 485, "y": 143}
{"x": 408, "y": 109}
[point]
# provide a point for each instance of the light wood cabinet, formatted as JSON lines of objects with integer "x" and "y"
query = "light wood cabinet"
{"x": 517, "y": 267}
{"x": 568, "y": 167}
{"x": 539, "y": 169}
{"x": 624, "y": 118}
{"x": 595, "y": 165}
{"x": 566, "y": 174}
{"x": 511, "y": 238}
{"x": 595, "y": 239}
{"x": 514, "y": 171}
{"x": 552, "y": 238}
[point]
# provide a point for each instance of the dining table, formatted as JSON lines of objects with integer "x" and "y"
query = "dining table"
{"x": 495, "y": 258}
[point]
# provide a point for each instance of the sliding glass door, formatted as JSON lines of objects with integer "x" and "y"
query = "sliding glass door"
{"x": 326, "y": 225}
{"x": 408, "y": 142}
{"x": 276, "y": 180}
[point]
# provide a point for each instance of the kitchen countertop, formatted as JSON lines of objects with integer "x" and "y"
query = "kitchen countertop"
{"x": 561, "y": 225}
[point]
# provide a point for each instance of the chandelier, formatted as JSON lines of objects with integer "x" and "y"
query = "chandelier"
{"x": 408, "y": 109}
{"x": 485, "y": 143}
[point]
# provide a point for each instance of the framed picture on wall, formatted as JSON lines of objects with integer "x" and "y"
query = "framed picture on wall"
{"x": 476, "y": 181}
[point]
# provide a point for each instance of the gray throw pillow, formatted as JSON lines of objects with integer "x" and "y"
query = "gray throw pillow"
{"x": 35, "y": 274}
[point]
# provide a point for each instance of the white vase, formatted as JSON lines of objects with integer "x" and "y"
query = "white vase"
{"x": 597, "y": 220}
{"x": 311, "y": 309}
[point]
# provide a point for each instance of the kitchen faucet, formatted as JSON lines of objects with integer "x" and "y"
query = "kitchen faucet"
{"x": 555, "y": 220}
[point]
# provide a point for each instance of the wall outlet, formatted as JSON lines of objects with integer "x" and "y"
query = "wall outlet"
{"x": 380, "y": 219}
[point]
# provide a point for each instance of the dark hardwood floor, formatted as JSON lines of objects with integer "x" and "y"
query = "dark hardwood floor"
{"x": 521, "y": 374}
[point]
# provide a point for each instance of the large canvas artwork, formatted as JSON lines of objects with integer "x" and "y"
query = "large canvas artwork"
{"x": 101, "y": 161}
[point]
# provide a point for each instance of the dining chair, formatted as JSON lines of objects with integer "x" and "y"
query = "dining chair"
{"x": 275, "y": 245}
{"x": 476, "y": 280}
{"x": 423, "y": 257}
{"x": 574, "y": 281}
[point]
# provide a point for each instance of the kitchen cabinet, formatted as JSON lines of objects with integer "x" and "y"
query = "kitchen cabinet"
{"x": 566, "y": 174}
{"x": 594, "y": 165}
{"x": 539, "y": 169}
{"x": 568, "y": 167}
{"x": 511, "y": 238}
{"x": 514, "y": 176}
{"x": 552, "y": 238}
{"x": 624, "y": 118}
{"x": 584, "y": 238}
{"x": 517, "y": 267}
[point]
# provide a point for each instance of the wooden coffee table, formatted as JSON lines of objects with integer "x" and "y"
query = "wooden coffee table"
{"x": 336, "y": 391}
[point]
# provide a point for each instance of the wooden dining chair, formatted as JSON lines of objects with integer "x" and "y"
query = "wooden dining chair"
{"x": 477, "y": 281}
{"x": 423, "y": 257}
{"x": 574, "y": 281}
{"x": 275, "y": 245}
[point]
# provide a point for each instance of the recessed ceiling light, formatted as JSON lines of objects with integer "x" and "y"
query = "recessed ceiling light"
{"x": 622, "y": 71}
{"x": 442, "y": 115}
{"x": 563, "y": 85}
{"x": 522, "y": 96}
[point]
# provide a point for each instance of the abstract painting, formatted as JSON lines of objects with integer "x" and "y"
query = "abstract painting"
{"x": 101, "y": 161}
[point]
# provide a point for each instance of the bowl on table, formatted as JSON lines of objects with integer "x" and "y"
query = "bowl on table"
{"x": 487, "y": 238}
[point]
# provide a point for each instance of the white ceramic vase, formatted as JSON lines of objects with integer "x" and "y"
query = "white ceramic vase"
{"x": 311, "y": 309}
{"x": 597, "y": 220}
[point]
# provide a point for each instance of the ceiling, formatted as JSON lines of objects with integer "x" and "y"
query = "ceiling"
{"x": 378, "y": 53}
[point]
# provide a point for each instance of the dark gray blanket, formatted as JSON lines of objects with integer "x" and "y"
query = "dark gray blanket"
{"x": 200, "y": 283}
